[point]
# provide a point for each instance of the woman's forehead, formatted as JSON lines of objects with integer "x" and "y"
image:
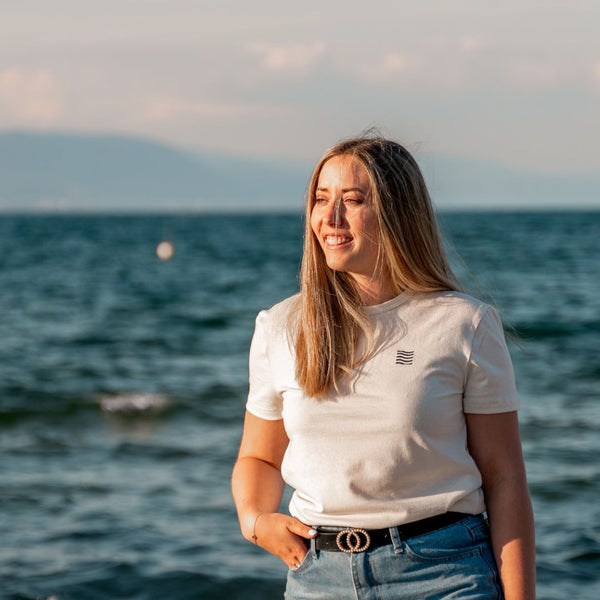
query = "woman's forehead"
{"x": 343, "y": 171}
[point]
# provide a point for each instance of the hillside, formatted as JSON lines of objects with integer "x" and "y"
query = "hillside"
{"x": 100, "y": 173}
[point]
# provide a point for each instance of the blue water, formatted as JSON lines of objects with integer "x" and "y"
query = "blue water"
{"x": 123, "y": 382}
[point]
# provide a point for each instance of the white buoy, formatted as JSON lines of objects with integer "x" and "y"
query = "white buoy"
{"x": 165, "y": 250}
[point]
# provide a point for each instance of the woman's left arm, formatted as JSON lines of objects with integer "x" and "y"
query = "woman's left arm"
{"x": 495, "y": 445}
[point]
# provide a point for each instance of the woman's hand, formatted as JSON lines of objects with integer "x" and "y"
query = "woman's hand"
{"x": 283, "y": 536}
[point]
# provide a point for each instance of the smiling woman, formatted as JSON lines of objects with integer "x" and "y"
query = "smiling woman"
{"x": 385, "y": 398}
{"x": 344, "y": 221}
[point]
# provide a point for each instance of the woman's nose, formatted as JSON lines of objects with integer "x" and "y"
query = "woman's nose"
{"x": 335, "y": 216}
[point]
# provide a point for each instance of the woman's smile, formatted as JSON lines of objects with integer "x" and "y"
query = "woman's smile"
{"x": 335, "y": 240}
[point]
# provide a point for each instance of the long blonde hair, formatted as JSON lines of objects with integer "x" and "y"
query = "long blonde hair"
{"x": 330, "y": 317}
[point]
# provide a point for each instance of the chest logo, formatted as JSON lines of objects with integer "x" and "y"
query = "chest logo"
{"x": 405, "y": 357}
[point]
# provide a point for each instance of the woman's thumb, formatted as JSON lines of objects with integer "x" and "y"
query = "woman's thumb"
{"x": 301, "y": 529}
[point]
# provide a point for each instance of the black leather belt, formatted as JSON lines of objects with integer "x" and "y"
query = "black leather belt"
{"x": 355, "y": 539}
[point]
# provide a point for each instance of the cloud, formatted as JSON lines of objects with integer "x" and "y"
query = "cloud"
{"x": 472, "y": 43}
{"x": 446, "y": 63}
{"x": 167, "y": 108}
{"x": 459, "y": 67}
{"x": 29, "y": 97}
{"x": 394, "y": 62}
{"x": 534, "y": 74}
{"x": 388, "y": 68}
{"x": 298, "y": 58}
{"x": 171, "y": 108}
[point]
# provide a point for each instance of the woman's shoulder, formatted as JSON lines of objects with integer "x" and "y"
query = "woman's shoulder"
{"x": 279, "y": 314}
{"x": 467, "y": 317}
{"x": 461, "y": 305}
{"x": 459, "y": 299}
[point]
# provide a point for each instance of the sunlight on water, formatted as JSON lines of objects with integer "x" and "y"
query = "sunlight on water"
{"x": 133, "y": 403}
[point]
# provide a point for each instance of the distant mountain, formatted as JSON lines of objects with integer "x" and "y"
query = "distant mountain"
{"x": 471, "y": 183}
{"x": 93, "y": 173}
{"x": 40, "y": 171}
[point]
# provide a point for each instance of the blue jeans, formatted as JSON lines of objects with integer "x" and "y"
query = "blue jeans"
{"x": 452, "y": 562}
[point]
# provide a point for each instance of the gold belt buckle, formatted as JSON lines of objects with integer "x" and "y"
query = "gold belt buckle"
{"x": 351, "y": 540}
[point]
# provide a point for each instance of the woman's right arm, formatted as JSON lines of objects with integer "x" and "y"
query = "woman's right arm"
{"x": 257, "y": 488}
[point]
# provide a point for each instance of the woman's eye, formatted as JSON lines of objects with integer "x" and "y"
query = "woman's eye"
{"x": 320, "y": 200}
{"x": 353, "y": 200}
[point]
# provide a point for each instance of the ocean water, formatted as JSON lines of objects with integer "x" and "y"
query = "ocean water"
{"x": 123, "y": 382}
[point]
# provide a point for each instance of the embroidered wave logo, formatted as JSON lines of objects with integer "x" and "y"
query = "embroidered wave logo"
{"x": 405, "y": 357}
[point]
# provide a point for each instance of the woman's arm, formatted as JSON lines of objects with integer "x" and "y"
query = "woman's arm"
{"x": 257, "y": 488}
{"x": 495, "y": 445}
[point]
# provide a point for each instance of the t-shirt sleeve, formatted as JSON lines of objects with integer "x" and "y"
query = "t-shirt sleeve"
{"x": 490, "y": 382}
{"x": 263, "y": 399}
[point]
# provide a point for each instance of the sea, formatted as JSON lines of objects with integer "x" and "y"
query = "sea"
{"x": 123, "y": 381}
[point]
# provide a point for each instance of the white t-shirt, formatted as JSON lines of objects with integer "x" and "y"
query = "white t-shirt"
{"x": 391, "y": 447}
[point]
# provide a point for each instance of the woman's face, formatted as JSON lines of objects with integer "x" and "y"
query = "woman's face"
{"x": 343, "y": 219}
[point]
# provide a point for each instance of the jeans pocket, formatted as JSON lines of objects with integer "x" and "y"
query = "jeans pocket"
{"x": 454, "y": 542}
{"x": 306, "y": 561}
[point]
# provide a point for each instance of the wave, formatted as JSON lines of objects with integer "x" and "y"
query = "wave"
{"x": 555, "y": 329}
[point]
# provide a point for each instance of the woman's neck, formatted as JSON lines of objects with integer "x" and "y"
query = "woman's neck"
{"x": 375, "y": 291}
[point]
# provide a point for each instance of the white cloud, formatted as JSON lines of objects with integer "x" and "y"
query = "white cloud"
{"x": 472, "y": 43}
{"x": 294, "y": 57}
{"x": 388, "y": 68}
{"x": 395, "y": 62}
{"x": 459, "y": 66}
{"x": 170, "y": 108}
{"x": 29, "y": 97}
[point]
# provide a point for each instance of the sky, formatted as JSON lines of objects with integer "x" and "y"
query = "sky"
{"x": 516, "y": 82}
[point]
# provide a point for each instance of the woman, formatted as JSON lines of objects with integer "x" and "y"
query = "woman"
{"x": 385, "y": 398}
